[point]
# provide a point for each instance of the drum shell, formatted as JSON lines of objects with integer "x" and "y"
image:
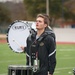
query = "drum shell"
{"x": 20, "y": 70}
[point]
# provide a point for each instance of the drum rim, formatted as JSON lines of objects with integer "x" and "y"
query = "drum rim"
{"x": 20, "y": 67}
{"x": 8, "y": 32}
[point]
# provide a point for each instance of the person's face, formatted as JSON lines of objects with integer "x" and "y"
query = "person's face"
{"x": 40, "y": 23}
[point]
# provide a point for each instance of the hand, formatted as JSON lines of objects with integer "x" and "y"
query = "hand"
{"x": 49, "y": 73}
{"x": 22, "y": 47}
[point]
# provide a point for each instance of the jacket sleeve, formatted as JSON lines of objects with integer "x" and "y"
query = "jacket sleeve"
{"x": 27, "y": 50}
{"x": 24, "y": 49}
{"x": 51, "y": 47}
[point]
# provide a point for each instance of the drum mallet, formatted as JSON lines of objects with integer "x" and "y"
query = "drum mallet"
{"x": 26, "y": 53}
{"x": 16, "y": 42}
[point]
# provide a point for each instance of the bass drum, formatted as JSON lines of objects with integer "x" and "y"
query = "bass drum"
{"x": 17, "y": 34}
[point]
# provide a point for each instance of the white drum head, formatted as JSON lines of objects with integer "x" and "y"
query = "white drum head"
{"x": 17, "y": 35}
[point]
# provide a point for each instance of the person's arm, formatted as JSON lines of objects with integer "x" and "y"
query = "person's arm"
{"x": 23, "y": 47}
{"x": 52, "y": 55}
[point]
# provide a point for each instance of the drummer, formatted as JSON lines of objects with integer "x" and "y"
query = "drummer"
{"x": 41, "y": 45}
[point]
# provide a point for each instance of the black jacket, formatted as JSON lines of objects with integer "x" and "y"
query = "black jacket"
{"x": 45, "y": 45}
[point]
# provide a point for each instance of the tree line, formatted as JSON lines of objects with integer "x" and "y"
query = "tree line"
{"x": 28, "y": 10}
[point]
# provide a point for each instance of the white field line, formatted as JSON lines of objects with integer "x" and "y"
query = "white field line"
{"x": 56, "y": 72}
{"x": 64, "y": 68}
{"x": 64, "y": 49}
{"x": 4, "y": 74}
{"x": 11, "y": 61}
{"x": 67, "y": 58}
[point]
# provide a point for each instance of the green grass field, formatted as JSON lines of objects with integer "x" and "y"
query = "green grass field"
{"x": 65, "y": 59}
